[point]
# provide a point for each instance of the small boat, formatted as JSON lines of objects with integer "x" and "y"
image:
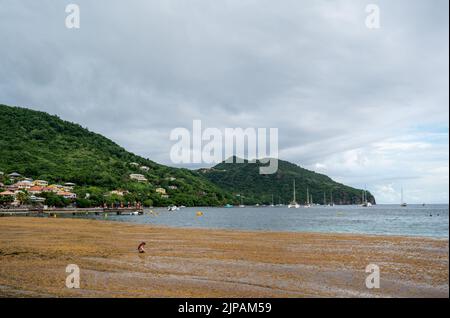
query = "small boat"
{"x": 403, "y": 204}
{"x": 129, "y": 213}
{"x": 293, "y": 204}
{"x": 228, "y": 206}
{"x": 173, "y": 208}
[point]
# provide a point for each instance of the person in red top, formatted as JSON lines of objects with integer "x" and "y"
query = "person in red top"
{"x": 141, "y": 247}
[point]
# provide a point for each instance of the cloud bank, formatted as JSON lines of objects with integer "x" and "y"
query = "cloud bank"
{"x": 365, "y": 106}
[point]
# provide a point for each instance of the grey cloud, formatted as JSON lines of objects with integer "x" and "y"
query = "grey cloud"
{"x": 311, "y": 68}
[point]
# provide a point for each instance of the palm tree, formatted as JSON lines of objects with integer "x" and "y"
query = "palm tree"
{"x": 23, "y": 197}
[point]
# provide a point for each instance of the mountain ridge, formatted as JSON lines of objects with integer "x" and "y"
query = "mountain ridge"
{"x": 244, "y": 179}
{"x": 43, "y": 146}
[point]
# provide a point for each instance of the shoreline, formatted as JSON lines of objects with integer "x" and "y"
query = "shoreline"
{"x": 199, "y": 262}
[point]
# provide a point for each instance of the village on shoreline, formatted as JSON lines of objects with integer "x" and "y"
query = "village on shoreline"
{"x": 18, "y": 191}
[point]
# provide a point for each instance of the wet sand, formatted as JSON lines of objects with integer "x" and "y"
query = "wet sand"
{"x": 34, "y": 253}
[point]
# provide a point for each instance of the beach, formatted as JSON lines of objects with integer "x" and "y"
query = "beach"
{"x": 182, "y": 262}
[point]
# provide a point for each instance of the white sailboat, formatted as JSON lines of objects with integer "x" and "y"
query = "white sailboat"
{"x": 402, "y": 202}
{"x": 365, "y": 202}
{"x": 308, "y": 202}
{"x": 242, "y": 203}
{"x": 294, "y": 204}
{"x": 331, "y": 199}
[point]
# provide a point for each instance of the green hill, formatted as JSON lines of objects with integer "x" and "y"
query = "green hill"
{"x": 40, "y": 146}
{"x": 244, "y": 179}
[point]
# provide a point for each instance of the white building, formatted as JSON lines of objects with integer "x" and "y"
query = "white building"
{"x": 138, "y": 177}
{"x": 24, "y": 184}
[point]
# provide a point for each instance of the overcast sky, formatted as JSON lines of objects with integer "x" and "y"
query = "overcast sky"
{"x": 364, "y": 106}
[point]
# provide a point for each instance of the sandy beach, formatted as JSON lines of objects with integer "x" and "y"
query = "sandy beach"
{"x": 34, "y": 253}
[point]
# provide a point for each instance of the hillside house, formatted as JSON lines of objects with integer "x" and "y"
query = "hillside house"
{"x": 24, "y": 185}
{"x": 138, "y": 177}
{"x": 67, "y": 195}
{"x": 39, "y": 189}
{"x": 40, "y": 183}
{"x": 7, "y": 193}
{"x": 120, "y": 193}
{"x": 161, "y": 191}
{"x": 14, "y": 175}
{"x": 36, "y": 199}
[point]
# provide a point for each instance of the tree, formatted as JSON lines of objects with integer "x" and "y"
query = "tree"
{"x": 23, "y": 198}
{"x": 148, "y": 203}
{"x": 52, "y": 199}
{"x": 6, "y": 199}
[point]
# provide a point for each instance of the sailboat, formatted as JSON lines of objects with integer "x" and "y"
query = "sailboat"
{"x": 331, "y": 199}
{"x": 308, "y": 202}
{"x": 279, "y": 201}
{"x": 403, "y": 203}
{"x": 294, "y": 204}
{"x": 365, "y": 203}
{"x": 272, "y": 205}
{"x": 242, "y": 203}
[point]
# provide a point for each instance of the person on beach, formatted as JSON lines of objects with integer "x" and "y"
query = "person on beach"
{"x": 141, "y": 247}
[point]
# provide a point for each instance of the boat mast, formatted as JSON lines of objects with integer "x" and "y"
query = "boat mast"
{"x": 365, "y": 194}
{"x": 324, "y": 199}
{"x": 294, "y": 190}
{"x": 307, "y": 195}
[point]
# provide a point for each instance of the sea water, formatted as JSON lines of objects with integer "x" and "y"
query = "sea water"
{"x": 414, "y": 220}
